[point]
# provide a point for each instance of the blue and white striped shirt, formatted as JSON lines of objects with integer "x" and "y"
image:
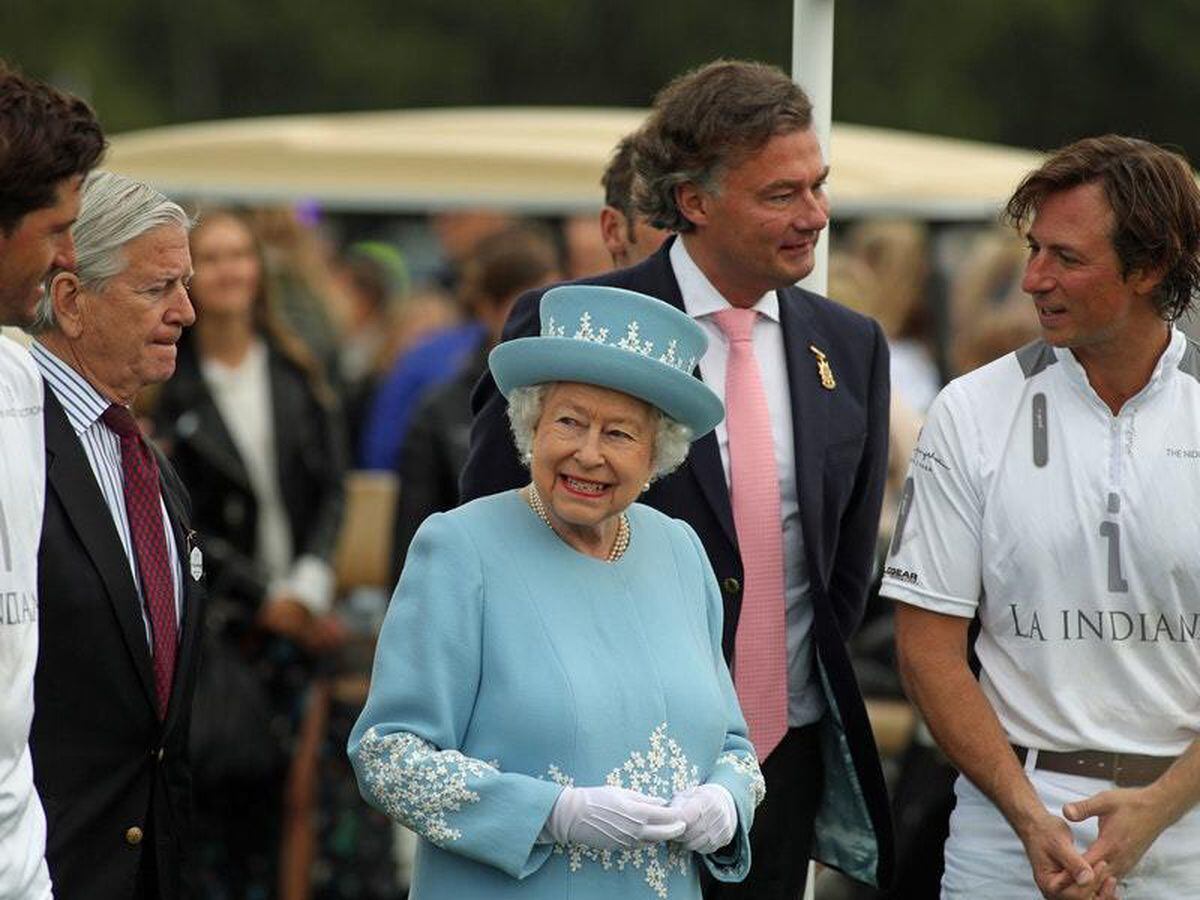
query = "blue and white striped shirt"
{"x": 84, "y": 405}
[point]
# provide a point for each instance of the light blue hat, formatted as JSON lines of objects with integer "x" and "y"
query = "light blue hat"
{"x": 616, "y": 339}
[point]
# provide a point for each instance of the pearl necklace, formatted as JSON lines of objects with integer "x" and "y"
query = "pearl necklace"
{"x": 620, "y": 545}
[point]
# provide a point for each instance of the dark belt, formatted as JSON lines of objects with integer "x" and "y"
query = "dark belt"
{"x": 1123, "y": 769}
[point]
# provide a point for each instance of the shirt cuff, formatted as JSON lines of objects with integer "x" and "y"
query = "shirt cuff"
{"x": 311, "y": 581}
{"x": 938, "y": 603}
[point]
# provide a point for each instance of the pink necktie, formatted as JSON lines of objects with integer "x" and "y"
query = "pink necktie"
{"x": 142, "y": 506}
{"x": 760, "y": 648}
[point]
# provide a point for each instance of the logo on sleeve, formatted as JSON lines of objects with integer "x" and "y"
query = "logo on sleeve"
{"x": 926, "y": 460}
{"x": 905, "y": 575}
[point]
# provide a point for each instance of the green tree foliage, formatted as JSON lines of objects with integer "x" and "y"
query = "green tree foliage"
{"x": 1027, "y": 72}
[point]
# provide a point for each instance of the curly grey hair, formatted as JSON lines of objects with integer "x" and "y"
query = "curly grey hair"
{"x": 113, "y": 211}
{"x": 672, "y": 439}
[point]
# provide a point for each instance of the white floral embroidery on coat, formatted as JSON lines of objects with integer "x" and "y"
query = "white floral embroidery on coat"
{"x": 660, "y": 771}
{"x": 747, "y": 766}
{"x": 417, "y": 784}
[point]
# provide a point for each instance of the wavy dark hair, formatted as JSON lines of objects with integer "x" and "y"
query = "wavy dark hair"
{"x": 1155, "y": 203}
{"x": 45, "y": 137}
{"x": 705, "y": 121}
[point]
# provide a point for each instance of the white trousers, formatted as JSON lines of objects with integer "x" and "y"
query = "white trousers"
{"x": 985, "y": 858}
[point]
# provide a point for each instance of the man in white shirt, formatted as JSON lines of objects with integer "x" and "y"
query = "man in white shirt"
{"x": 785, "y": 495}
{"x": 1053, "y": 495}
{"x": 48, "y": 141}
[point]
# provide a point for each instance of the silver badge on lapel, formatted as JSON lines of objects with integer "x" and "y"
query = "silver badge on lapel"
{"x": 196, "y": 560}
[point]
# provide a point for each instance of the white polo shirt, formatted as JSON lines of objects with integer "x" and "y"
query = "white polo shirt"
{"x": 1075, "y": 534}
{"x": 23, "y": 872}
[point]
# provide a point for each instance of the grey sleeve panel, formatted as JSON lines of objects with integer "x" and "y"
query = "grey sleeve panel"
{"x": 1034, "y": 357}
{"x": 1190, "y": 363}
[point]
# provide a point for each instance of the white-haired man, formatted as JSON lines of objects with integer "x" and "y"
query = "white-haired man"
{"x": 119, "y": 572}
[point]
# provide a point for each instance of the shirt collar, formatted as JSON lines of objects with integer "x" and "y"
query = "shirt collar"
{"x": 82, "y": 403}
{"x": 1166, "y": 367}
{"x": 700, "y": 298}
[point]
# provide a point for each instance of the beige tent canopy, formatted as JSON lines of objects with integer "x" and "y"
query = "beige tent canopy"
{"x": 544, "y": 160}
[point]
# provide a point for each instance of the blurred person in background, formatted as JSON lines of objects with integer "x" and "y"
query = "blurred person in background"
{"x": 120, "y": 573}
{"x": 624, "y": 236}
{"x": 628, "y": 236}
{"x": 852, "y": 282}
{"x": 252, "y": 425}
{"x": 298, "y": 264}
{"x": 987, "y": 278}
{"x": 433, "y": 349}
{"x": 897, "y": 251}
{"x": 435, "y": 357}
{"x": 48, "y": 142}
{"x": 1052, "y": 496}
{"x": 503, "y": 266}
{"x": 458, "y": 231}
{"x": 584, "y": 250}
{"x": 374, "y": 278}
{"x": 995, "y": 333}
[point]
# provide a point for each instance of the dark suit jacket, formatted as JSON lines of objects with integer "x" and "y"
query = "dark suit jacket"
{"x": 310, "y": 458}
{"x": 841, "y": 457}
{"x": 103, "y": 761}
{"x": 434, "y": 453}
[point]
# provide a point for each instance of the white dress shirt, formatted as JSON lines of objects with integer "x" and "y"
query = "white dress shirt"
{"x": 84, "y": 406}
{"x": 806, "y": 703}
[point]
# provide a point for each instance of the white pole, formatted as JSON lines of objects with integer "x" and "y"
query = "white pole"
{"x": 812, "y": 69}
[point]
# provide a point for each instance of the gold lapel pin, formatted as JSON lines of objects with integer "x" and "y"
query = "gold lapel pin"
{"x": 823, "y": 369}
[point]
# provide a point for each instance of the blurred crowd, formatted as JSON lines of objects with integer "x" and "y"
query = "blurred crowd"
{"x": 366, "y": 338}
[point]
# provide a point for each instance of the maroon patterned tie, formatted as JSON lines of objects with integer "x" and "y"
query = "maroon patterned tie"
{"x": 144, "y": 509}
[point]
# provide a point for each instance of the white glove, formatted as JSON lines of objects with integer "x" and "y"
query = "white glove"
{"x": 611, "y": 818}
{"x": 710, "y": 814}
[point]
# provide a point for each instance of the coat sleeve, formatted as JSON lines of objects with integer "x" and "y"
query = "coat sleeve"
{"x": 736, "y": 767}
{"x": 492, "y": 464}
{"x": 429, "y": 484}
{"x": 330, "y": 467}
{"x": 405, "y": 745}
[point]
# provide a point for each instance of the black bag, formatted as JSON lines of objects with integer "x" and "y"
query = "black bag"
{"x": 231, "y": 738}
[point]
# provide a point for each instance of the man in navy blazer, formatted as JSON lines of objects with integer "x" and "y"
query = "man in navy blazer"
{"x": 116, "y": 670}
{"x": 728, "y": 159}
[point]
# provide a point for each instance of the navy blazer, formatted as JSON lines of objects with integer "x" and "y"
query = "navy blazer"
{"x": 103, "y": 762}
{"x": 840, "y": 439}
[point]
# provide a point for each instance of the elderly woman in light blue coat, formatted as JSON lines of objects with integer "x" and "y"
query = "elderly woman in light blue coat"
{"x": 549, "y": 710}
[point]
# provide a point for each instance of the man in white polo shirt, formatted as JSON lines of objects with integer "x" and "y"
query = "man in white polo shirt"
{"x": 1053, "y": 494}
{"x": 48, "y": 141}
